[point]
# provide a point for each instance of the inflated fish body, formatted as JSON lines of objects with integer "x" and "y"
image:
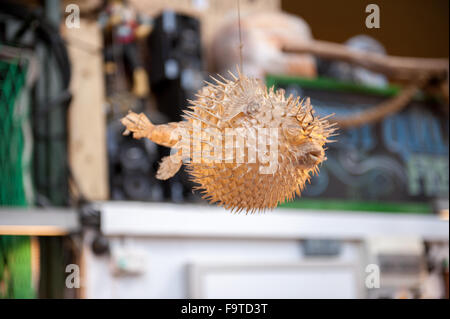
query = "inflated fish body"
{"x": 246, "y": 146}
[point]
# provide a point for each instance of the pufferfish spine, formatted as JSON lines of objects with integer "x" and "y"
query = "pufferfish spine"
{"x": 282, "y": 143}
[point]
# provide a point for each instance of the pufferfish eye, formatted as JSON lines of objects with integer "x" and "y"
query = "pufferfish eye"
{"x": 306, "y": 119}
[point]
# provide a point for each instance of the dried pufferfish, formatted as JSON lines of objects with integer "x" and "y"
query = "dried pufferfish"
{"x": 246, "y": 105}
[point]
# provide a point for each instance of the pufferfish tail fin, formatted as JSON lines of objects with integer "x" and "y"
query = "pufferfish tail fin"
{"x": 169, "y": 166}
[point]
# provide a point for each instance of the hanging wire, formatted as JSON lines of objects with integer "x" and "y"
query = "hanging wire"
{"x": 240, "y": 37}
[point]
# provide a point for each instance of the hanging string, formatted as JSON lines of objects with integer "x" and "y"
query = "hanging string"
{"x": 240, "y": 38}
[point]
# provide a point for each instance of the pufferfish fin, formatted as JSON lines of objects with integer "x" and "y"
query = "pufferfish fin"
{"x": 169, "y": 166}
{"x": 138, "y": 124}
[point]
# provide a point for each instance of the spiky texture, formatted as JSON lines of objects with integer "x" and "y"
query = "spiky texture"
{"x": 246, "y": 104}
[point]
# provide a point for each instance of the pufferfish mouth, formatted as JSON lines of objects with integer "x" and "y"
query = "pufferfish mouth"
{"x": 311, "y": 155}
{"x": 316, "y": 156}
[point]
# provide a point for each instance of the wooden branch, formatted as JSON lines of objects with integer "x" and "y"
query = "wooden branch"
{"x": 399, "y": 68}
{"x": 378, "y": 112}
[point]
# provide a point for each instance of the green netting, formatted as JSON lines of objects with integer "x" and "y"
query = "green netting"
{"x": 15, "y": 251}
{"x": 12, "y": 191}
{"x": 15, "y": 267}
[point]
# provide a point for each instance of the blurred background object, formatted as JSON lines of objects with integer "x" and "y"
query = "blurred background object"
{"x": 79, "y": 201}
{"x": 347, "y": 72}
{"x": 264, "y": 35}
